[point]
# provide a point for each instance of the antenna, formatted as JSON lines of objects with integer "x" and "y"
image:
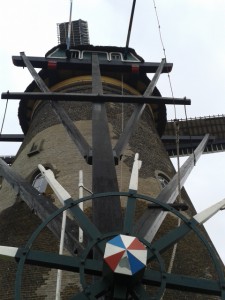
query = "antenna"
{"x": 69, "y": 26}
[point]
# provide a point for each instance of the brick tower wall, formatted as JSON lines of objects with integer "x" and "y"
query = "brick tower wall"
{"x": 58, "y": 152}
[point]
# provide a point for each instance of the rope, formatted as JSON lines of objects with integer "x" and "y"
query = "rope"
{"x": 3, "y": 121}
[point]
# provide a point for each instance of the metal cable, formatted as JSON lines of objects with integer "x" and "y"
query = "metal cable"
{"x": 3, "y": 121}
{"x": 176, "y": 123}
{"x": 169, "y": 78}
{"x": 165, "y": 56}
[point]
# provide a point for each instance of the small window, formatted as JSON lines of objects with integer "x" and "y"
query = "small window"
{"x": 131, "y": 58}
{"x": 116, "y": 56}
{"x": 102, "y": 56}
{"x": 75, "y": 54}
{"x": 88, "y": 54}
{"x": 35, "y": 148}
{"x": 163, "y": 180}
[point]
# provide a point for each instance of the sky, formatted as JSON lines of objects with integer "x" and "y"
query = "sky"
{"x": 194, "y": 40}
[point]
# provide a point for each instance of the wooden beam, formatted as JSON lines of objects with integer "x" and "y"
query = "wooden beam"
{"x": 95, "y": 98}
{"x": 8, "y": 159}
{"x": 85, "y": 65}
{"x": 11, "y": 137}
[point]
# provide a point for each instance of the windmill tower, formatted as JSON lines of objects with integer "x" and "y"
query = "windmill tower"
{"x": 93, "y": 108}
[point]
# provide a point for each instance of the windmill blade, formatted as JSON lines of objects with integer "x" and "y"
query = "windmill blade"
{"x": 134, "y": 174}
{"x": 137, "y": 113}
{"x": 173, "y": 236}
{"x": 87, "y": 226}
{"x": 68, "y": 124}
{"x": 104, "y": 178}
{"x": 60, "y": 192}
{"x": 40, "y": 204}
{"x": 148, "y": 225}
{"x": 131, "y": 202}
{"x": 209, "y": 212}
{"x": 8, "y": 251}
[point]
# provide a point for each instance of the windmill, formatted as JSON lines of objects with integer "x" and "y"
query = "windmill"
{"x": 93, "y": 68}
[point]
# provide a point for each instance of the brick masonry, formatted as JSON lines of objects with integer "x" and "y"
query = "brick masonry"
{"x": 58, "y": 152}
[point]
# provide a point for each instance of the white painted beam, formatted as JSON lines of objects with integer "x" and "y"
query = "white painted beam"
{"x": 8, "y": 251}
{"x": 209, "y": 212}
{"x": 134, "y": 174}
{"x": 60, "y": 192}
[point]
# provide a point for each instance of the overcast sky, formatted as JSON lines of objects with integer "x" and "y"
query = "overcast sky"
{"x": 193, "y": 32}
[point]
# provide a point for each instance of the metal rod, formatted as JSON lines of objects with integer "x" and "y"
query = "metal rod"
{"x": 61, "y": 246}
{"x": 69, "y": 26}
{"x": 81, "y": 204}
{"x": 129, "y": 29}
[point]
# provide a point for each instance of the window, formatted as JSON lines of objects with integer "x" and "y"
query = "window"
{"x": 163, "y": 180}
{"x": 88, "y": 54}
{"x": 131, "y": 58}
{"x": 102, "y": 56}
{"x": 116, "y": 56}
{"x": 75, "y": 54}
{"x": 35, "y": 148}
{"x": 40, "y": 183}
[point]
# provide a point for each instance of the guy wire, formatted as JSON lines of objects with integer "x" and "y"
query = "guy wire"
{"x": 3, "y": 120}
